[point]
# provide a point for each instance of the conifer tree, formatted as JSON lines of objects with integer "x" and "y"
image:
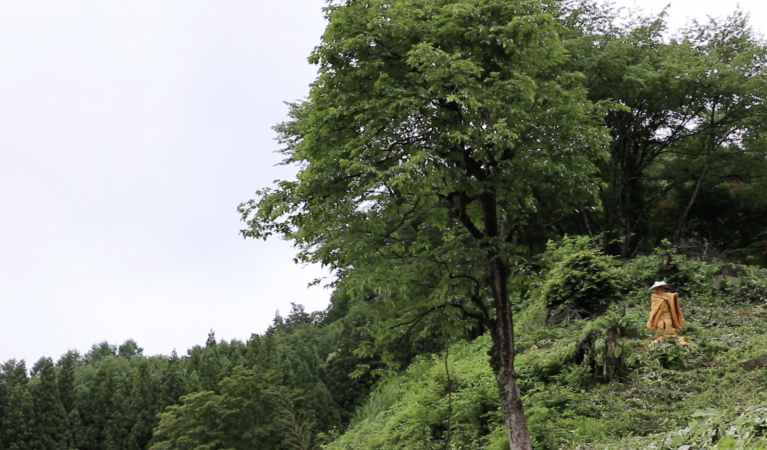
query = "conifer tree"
{"x": 76, "y": 431}
{"x": 66, "y": 378}
{"x": 193, "y": 382}
{"x": 211, "y": 341}
{"x": 37, "y": 367}
{"x": 67, "y": 381}
{"x": 173, "y": 386}
{"x": 104, "y": 420}
{"x": 129, "y": 349}
{"x": 4, "y": 393}
{"x": 99, "y": 351}
{"x": 141, "y": 414}
{"x": 52, "y": 427}
{"x": 19, "y": 415}
{"x": 211, "y": 365}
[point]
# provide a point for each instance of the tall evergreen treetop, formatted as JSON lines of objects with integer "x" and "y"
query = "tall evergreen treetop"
{"x": 18, "y": 420}
{"x": 52, "y": 424}
{"x": 129, "y": 349}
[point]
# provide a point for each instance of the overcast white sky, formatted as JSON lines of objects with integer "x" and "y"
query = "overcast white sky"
{"x": 129, "y": 133}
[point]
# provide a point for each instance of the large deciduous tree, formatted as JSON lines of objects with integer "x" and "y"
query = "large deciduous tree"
{"x": 694, "y": 119}
{"x": 437, "y": 132}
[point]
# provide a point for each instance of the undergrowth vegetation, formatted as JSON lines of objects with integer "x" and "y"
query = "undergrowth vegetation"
{"x": 594, "y": 382}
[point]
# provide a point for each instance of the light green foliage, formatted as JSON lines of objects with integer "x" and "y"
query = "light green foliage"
{"x": 414, "y": 409}
{"x": 579, "y": 277}
{"x": 659, "y": 394}
{"x": 240, "y": 418}
{"x": 424, "y": 115}
{"x": 708, "y": 429}
{"x": 436, "y": 136}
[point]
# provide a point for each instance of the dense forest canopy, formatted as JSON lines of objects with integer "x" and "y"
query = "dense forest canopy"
{"x": 495, "y": 184}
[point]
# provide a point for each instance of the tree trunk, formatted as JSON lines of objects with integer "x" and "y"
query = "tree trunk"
{"x": 503, "y": 358}
{"x": 680, "y": 225}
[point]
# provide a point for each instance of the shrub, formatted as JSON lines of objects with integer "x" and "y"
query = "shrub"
{"x": 754, "y": 284}
{"x": 580, "y": 278}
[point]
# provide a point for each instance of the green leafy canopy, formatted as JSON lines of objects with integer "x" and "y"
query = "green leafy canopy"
{"x": 422, "y": 109}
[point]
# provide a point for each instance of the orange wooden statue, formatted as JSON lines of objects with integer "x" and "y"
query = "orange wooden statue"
{"x": 665, "y": 316}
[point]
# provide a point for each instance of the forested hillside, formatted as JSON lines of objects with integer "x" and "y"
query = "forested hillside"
{"x": 589, "y": 377}
{"x": 292, "y": 382}
{"x": 595, "y": 382}
{"x": 495, "y": 185}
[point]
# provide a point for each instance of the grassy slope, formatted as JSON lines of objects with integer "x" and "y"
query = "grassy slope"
{"x": 666, "y": 397}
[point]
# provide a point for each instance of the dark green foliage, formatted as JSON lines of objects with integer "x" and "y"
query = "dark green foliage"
{"x": 76, "y": 430}
{"x": 105, "y": 408}
{"x": 99, "y": 351}
{"x": 129, "y": 349}
{"x": 211, "y": 369}
{"x": 141, "y": 409}
{"x": 295, "y": 350}
{"x": 37, "y": 367}
{"x": 172, "y": 385}
{"x": 584, "y": 382}
{"x": 18, "y": 420}
{"x": 350, "y": 392}
{"x": 211, "y": 341}
{"x": 5, "y": 371}
{"x": 209, "y": 365}
{"x": 14, "y": 372}
{"x": 66, "y": 378}
{"x": 52, "y": 430}
{"x": 688, "y": 156}
{"x": 110, "y": 401}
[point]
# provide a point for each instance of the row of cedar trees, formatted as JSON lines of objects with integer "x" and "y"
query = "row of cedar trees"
{"x": 113, "y": 397}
